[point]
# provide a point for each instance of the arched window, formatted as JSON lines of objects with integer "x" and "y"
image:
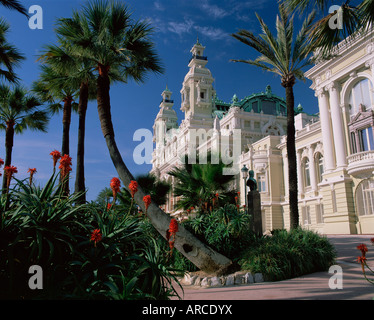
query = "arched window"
{"x": 306, "y": 172}
{"x": 362, "y": 93}
{"x": 319, "y": 166}
{"x": 365, "y": 197}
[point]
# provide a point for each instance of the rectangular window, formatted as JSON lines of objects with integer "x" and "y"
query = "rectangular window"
{"x": 366, "y": 139}
{"x": 333, "y": 200}
{"x": 368, "y": 194}
{"x": 353, "y": 142}
{"x": 307, "y": 174}
{"x": 320, "y": 169}
{"x": 261, "y": 182}
{"x": 319, "y": 213}
{"x": 306, "y": 215}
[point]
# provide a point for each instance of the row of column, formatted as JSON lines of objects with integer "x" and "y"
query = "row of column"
{"x": 333, "y": 136}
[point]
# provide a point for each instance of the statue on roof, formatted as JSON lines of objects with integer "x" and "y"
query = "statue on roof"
{"x": 268, "y": 89}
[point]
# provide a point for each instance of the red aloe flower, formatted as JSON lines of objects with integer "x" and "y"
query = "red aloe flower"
{"x": 115, "y": 185}
{"x": 31, "y": 171}
{"x": 108, "y": 206}
{"x": 147, "y": 202}
{"x": 65, "y": 163}
{"x": 133, "y": 186}
{"x": 363, "y": 248}
{"x": 9, "y": 171}
{"x": 56, "y": 155}
{"x": 96, "y": 236}
{"x": 173, "y": 229}
{"x": 372, "y": 240}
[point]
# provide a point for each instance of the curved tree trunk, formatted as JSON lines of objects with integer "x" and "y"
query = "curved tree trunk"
{"x": 193, "y": 249}
{"x": 65, "y": 149}
{"x": 82, "y": 109}
{"x": 9, "y": 138}
{"x": 291, "y": 154}
{"x": 66, "y": 120}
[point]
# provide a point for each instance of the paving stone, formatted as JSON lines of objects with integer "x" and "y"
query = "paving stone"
{"x": 239, "y": 279}
{"x": 215, "y": 282}
{"x": 259, "y": 277}
{"x": 205, "y": 282}
{"x": 248, "y": 278}
{"x": 230, "y": 280}
{"x": 197, "y": 281}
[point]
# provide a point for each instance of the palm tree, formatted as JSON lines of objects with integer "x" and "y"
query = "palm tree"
{"x": 354, "y": 18}
{"x": 54, "y": 87}
{"x": 285, "y": 57}
{"x": 156, "y": 188}
{"x": 80, "y": 74}
{"x": 198, "y": 185}
{"x": 14, "y": 5}
{"x": 10, "y": 57}
{"x": 109, "y": 37}
{"x": 18, "y": 112}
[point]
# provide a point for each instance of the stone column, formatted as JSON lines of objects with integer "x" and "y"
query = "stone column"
{"x": 285, "y": 170}
{"x": 370, "y": 64}
{"x": 326, "y": 129}
{"x": 300, "y": 181}
{"x": 337, "y": 125}
{"x": 312, "y": 169}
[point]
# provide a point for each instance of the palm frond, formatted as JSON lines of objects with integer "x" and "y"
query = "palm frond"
{"x": 15, "y": 5}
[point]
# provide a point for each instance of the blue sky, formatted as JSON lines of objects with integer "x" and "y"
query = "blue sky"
{"x": 177, "y": 25}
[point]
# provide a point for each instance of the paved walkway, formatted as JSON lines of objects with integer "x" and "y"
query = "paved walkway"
{"x": 310, "y": 287}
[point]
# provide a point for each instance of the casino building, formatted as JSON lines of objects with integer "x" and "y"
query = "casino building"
{"x": 335, "y": 148}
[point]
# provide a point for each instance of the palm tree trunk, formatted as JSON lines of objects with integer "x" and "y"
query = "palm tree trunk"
{"x": 82, "y": 109}
{"x": 193, "y": 249}
{"x": 66, "y": 120}
{"x": 291, "y": 154}
{"x": 9, "y": 138}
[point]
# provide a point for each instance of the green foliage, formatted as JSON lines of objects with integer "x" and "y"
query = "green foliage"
{"x": 197, "y": 184}
{"x": 226, "y": 230}
{"x": 288, "y": 254}
{"x": 42, "y": 226}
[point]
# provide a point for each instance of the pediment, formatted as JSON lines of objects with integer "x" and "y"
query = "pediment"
{"x": 362, "y": 115}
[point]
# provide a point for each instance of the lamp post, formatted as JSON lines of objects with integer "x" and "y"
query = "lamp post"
{"x": 244, "y": 171}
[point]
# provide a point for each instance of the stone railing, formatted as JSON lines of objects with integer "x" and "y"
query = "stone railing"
{"x": 365, "y": 155}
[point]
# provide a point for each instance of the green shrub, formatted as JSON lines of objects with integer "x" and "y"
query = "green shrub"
{"x": 226, "y": 229}
{"x": 289, "y": 254}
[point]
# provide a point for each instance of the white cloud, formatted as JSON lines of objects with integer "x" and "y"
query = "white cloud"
{"x": 180, "y": 27}
{"x": 212, "y": 33}
{"x": 158, "y": 6}
{"x": 213, "y": 10}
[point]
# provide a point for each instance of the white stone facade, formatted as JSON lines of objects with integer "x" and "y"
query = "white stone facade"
{"x": 335, "y": 149}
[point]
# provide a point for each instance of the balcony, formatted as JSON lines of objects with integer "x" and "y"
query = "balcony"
{"x": 195, "y": 56}
{"x": 167, "y": 101}
{"x": 361, "y": 165}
